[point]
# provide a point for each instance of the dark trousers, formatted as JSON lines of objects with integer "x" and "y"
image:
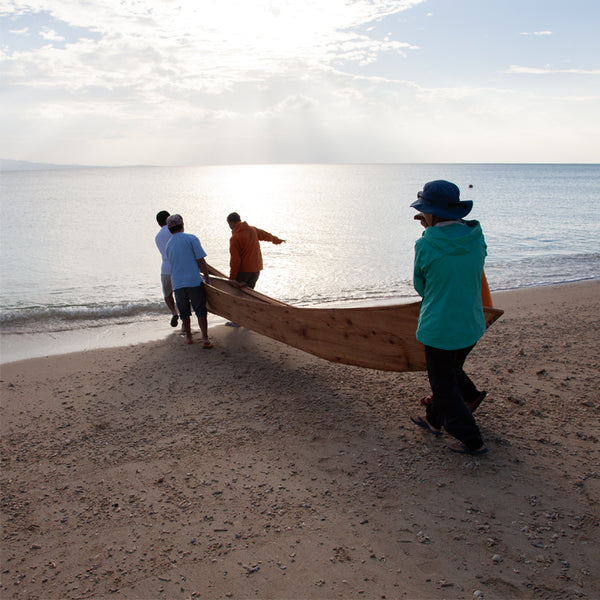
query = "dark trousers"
{"x": 451, "y": 389}
{"x": 196, "y": 296}
{"x": 248, "y": 278}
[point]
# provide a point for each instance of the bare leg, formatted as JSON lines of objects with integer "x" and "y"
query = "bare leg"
{"x": 170, "y": 302}
{"x": 187, "y": 330}
{"x": 203, "y": 322}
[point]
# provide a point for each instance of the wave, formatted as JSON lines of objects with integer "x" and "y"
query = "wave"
{"x": 542, "y": 270}
{"x": 520, "y": 273}
{"x": 58, "y": 318}
{"x": 46, "y": 318}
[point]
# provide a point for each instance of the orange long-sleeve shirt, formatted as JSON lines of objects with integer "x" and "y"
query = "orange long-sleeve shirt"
{"x": 486, "y": 297}
{"x": 244, "y": 248}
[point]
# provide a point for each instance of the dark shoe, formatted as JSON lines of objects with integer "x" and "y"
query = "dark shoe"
{"x": 231, "y": 324}
{"x": 174, "y": 320}
{"x": 474, "y": 404}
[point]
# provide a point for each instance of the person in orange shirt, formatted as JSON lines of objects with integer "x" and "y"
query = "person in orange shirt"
{"x": 245, "y": 262}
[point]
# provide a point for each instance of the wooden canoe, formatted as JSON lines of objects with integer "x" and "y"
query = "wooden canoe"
{"x": 375, "y": 337}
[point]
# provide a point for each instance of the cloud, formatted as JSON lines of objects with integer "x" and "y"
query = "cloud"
{"x": 162, "y": 69}
{"x": 295, "y": 103}
{"x": 168, "y": 49}
{"x": 197, "y": 81}
{"x": 539, "y": 33}
{"x": 548, "y": 70}
{"x": 50, "y": 35}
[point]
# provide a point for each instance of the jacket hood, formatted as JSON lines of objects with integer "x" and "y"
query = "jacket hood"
{"x": 241, "y": 226}
{"x": 455, "y": 238}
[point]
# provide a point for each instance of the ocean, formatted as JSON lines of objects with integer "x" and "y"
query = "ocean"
{"x": 78, "y": 251}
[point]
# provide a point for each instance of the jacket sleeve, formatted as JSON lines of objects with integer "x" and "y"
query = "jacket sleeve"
{"x": 265, "y": 236}
{"x": 418, "y": 275}
{"x": 486, "y": 297}
{"x": 235, "y": 258}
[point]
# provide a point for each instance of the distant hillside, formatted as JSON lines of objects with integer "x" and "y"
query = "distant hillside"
{"x": 23, "y": 165}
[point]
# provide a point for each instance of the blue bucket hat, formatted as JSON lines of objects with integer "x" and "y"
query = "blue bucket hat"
{"x": 442, "y": 199}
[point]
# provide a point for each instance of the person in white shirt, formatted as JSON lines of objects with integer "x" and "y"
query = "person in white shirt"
{"x": 161, "y": 239}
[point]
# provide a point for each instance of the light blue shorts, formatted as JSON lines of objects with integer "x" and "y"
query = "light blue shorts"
{"x": 166, "y": 285}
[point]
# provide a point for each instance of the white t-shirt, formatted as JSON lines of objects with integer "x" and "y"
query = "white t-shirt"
{"x": 161, "y": 239}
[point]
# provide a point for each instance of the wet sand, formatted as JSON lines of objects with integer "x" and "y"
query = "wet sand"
{"x": 254, "y": 470}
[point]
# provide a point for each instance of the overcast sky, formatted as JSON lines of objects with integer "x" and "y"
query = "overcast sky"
{"x": 190, "y": 82}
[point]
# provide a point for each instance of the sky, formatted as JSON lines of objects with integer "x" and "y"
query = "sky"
{"x": 193, "y": 82}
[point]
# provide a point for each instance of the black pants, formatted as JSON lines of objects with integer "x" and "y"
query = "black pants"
{"x": 451, "y": 389}
{"x": 249, "y": 278}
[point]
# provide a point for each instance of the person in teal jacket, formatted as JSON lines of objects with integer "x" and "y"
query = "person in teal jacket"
{"x": 448, "y": 268}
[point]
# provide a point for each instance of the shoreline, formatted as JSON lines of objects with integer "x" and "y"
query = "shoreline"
{"x": 22, "y": 346}
{"x": 15, "y": 347}
{"x": 254, "y": 470}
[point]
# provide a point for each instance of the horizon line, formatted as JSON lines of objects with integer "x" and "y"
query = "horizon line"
{"x": 7, "y": 164}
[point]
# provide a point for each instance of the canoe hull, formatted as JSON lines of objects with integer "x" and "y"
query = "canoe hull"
{"x": 380, "y": 337}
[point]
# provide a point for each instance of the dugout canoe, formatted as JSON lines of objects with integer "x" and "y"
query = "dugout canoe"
{"x": 375, "y": 337}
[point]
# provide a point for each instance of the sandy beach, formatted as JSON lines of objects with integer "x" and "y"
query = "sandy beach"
{"x": 252, "y": 470}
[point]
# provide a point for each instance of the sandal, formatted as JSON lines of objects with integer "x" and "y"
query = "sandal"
{"x": 421, "y": 422}
{"x": 474, "y": 404}
{"x": 461, "y": 448}
{"x": 426, "y": 400}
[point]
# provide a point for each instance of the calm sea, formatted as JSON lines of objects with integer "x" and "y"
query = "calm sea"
{"x": 77, "y": 245}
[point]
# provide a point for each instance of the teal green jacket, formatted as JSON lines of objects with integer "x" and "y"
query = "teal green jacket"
{"x": 447, "y": 275}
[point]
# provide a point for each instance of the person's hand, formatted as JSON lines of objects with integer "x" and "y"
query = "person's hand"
{"x": 279, "y": 242}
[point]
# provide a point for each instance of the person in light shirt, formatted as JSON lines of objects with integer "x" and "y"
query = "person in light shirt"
{"x": 189, "y": 273}
{"x": 161, "y": 239}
